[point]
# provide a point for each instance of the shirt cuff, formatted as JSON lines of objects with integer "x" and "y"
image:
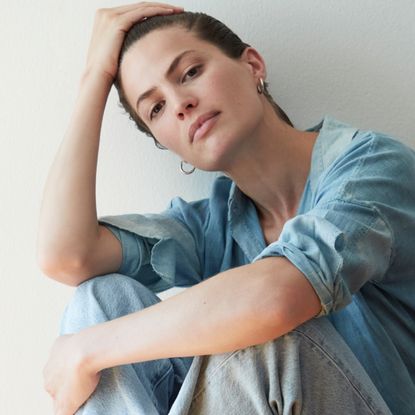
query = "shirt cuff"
{"x": 131, "y": 250}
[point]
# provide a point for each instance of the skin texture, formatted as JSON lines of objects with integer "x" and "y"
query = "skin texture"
{"x": 186, "y": 95}
{"x": 268, "y": 160}
{"x": 273, "y": 298}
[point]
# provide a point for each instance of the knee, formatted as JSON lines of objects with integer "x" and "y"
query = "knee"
{"x": 104, "y": 298}
{"x": 109, "y": 289}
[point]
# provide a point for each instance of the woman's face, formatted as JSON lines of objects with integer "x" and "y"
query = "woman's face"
{"x": 201, "y": 82}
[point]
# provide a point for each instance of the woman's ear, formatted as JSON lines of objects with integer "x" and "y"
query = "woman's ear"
{"x": 254, "y": 62}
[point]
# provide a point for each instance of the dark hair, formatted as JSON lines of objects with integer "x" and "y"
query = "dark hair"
{"x": 206, "y": 28}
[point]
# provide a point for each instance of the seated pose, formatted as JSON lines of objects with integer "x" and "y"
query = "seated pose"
{"x": 299, "y": 267}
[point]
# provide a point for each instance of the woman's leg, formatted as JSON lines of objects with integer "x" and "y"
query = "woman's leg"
{"x": 308, "y": 371}
{"x": 144, "y": 388}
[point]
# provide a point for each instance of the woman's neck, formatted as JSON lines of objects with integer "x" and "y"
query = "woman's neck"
{"x": 273, "y": 169}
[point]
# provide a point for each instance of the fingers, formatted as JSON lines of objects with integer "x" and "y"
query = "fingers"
{"x": 110, "y": 27}
{"x": 136, "y": 15}
{"x": 142, "y": 7}
{"x": 125, "y": 16}
{"x": 128, "y": 7}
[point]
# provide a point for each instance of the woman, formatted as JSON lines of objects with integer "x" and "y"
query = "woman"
{"x": 299, "y": 264}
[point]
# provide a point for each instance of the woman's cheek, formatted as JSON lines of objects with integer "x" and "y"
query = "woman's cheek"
{"x": 165, "y": 133}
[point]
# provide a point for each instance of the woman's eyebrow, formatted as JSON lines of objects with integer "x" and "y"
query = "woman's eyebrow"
{"x": 170, "y": 70}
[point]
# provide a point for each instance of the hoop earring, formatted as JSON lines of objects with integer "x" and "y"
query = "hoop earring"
{"x": 260, "y": 87}
{"x": 186, "y": 171}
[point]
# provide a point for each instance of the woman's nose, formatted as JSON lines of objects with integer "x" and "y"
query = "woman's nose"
{"x": 185, "y": 106}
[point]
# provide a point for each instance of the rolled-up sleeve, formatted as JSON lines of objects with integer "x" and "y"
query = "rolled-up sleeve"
{"x": 157, "y": 250}
{"x": 135, "y": 250}
{"x": 338, "y": 247}
{"x": 178, "y": 247}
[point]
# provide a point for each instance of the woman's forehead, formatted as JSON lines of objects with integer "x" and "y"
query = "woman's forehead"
{"x": 155, "y": 56}
{"x": 164, "y": 41}
{"x": 158, "y": 49}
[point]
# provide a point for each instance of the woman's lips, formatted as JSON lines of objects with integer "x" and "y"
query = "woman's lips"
{"x": 205, "y": 127}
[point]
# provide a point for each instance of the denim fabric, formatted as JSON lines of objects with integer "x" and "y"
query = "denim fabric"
{"x": 309, "y": 371}
{"x": 147, "y": 388}
{"x": 352, "y": 238}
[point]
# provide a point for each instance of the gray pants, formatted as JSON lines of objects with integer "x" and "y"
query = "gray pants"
{"x": 307, "y": 371}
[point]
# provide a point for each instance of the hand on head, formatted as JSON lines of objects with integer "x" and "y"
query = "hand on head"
{"x": 110, "y": 28}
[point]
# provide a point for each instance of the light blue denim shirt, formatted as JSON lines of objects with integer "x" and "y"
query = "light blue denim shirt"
{"x": 353, "y": 238}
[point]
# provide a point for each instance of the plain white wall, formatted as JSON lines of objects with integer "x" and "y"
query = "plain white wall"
{"x": 352, "y": 59}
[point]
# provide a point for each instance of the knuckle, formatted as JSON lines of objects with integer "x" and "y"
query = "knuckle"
{"x": 103, "y": 10}
{"x": 100, "y": 12}
{"x": 105, "y": 13}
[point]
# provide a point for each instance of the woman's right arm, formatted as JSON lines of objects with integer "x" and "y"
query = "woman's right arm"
{"x": 71, "y": 245}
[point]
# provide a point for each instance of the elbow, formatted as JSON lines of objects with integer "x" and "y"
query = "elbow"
{"x": 275, "y": 322}
{"x": 71, "y": 274}
{"x": 289, "y": 297}
{"x": 287, "y": 315}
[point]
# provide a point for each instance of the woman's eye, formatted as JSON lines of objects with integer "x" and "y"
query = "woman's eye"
{"x": 155, "y": 110}
{"x": 192, "y": 72}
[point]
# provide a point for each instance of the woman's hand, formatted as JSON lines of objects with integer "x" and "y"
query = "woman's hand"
{"x": 67, "y": 377}
{"x": 110, "y": 27}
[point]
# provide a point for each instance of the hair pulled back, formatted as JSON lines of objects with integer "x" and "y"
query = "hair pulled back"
{"x": 206, "y": 28}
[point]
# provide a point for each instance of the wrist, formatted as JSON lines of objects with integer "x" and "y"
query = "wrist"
{"x": 86, "y": 352}
{"x": 91, "y": 75}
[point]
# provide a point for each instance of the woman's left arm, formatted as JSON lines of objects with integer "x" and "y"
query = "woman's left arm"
{"x": 237, "y": 308}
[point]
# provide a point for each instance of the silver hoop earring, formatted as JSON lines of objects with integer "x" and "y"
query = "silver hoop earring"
{"x": 260, "y": 87}
{"x": 186, "y": 171}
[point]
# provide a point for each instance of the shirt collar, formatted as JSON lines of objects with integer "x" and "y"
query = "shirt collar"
{"x": 333, "y": 137}
{"x": 331, "y": 141}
